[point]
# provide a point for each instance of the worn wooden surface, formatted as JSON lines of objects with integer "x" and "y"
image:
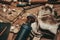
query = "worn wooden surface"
{"x": 20, "y": 20}
{"x": 34, "y": 11}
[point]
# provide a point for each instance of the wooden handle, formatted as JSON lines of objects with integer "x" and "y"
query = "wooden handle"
{"x": 34, "y": 1}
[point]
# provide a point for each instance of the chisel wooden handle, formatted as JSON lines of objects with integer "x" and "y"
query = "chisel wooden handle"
{"x": 34, "y": 1}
